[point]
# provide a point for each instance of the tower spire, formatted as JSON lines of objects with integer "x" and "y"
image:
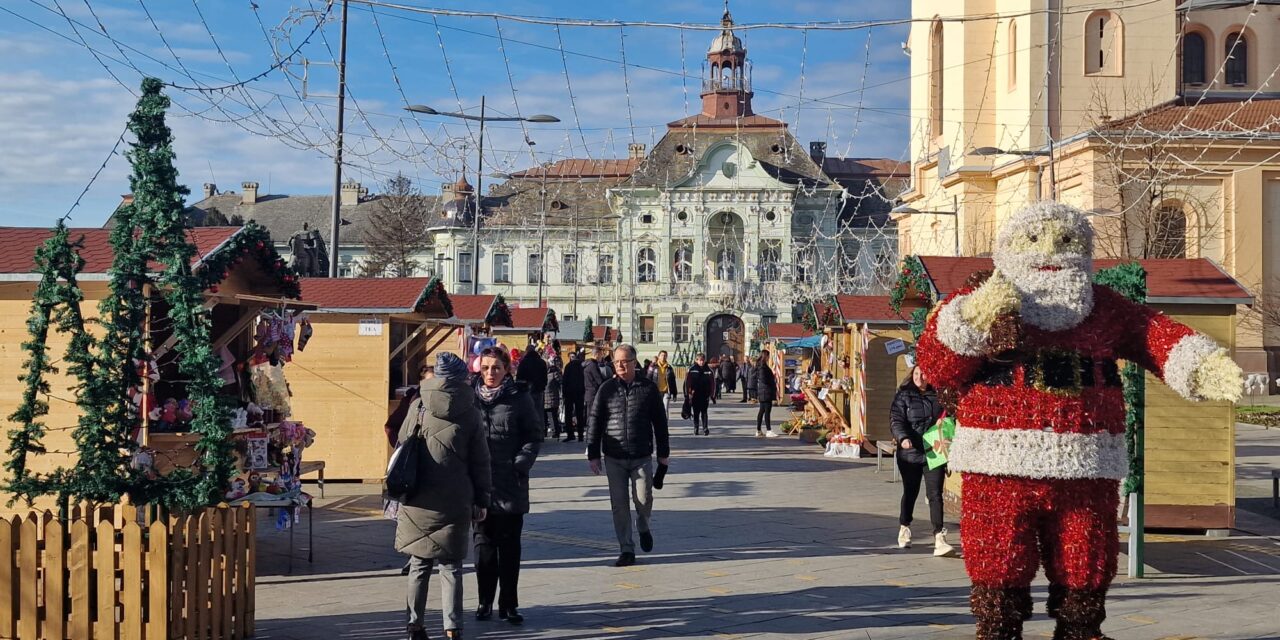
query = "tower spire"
{"x": 726, "y": 90}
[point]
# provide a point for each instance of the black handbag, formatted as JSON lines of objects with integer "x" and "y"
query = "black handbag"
{"x": 402, "y": 474}
{"x": 686, "y": 410}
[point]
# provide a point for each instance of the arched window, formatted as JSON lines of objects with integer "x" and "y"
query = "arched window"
{"x": 1168, "y": 232}
{"x": 1012, "y": 54}
{"x": 1103, "y": 42}
{"x": 1193, "y": 58}
{"x": 683, "y": 264}
{"x": 936, "y": 69}
{"x": 727, "y": 264}
{"x": 647, "y": 266}
{"x": 1237, "y": 57}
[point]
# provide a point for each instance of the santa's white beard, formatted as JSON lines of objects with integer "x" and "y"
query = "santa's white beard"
{"x": 1051, "y": 300}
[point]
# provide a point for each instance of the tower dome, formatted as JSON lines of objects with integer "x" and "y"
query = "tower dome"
{"x": 726, "y": 42}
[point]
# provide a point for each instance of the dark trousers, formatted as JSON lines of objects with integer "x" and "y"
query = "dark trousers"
{"x": 912, "y": 473}
{"x": 551, "y": 421}
{"x": 497, "y": 541}
{"x": 699, "y": 412}
{"x": 746, "y": 393}
{"x": 575, "y": 415}
{"x": 765, "y": 416}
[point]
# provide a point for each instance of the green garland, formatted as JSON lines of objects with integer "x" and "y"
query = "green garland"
{"x": 501, "y": 313}
{"x": 1130, "y": 280}
{"x": 251, "y": 241}
{"x": 588, "y": 332}
{"x": 912, "y": 277}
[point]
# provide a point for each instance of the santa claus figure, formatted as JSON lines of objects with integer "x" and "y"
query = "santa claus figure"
{"x": 1032, "y": 351}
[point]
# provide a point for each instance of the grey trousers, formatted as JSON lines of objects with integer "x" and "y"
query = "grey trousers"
{"x": 450, "y": 596}
{"x": 632, "y": 476}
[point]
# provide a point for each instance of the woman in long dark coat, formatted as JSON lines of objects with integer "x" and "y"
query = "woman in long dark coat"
{"x": 514, "y": 428}
{"x": 699, "y": 385}
{"x": 766, "y": 387}
{"x": 455, "y": 482}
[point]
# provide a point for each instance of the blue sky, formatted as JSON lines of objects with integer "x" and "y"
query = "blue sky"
{"x": 63, "y": 110}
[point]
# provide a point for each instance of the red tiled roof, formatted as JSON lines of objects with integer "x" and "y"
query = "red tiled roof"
{"x": 400, "y": 294}
{"x": 788, "y": 330}
{"x": 1227, "y": 116}
{"x": 598, "y": 333}
{"x": 18, "y": 246}
{"x": 583, "y": 168}
{"x": 867, "y": 309}
{"x": 1168, "y": 280}
{"x": 532, "y": 318}
{"x": 705, "y": 121}
{"x": 472, "y": 308}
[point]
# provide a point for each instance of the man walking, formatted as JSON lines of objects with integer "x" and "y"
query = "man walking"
{"x": 664, "y": 375}
{"x": 627, "y": 422}
{"x": 728, "y": 373}
{"x": 572, "y": 386}
{"x": 746, "y": 373}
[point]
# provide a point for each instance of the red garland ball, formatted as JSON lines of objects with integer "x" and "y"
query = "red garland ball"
{"x": 213, "y": 288}
{"x": 224, "y": 275}
{"x": 260, "y": 245}
{"x": 288, "y": 278}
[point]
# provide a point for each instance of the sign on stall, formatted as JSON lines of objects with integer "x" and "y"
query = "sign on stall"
{"x": 370, "y": 327}
{"x": 894, "y": 347}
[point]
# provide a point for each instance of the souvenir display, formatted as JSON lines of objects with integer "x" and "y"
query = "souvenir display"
{"x": 1039, "y": 441}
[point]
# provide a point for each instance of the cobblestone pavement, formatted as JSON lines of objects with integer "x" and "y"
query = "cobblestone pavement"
{"x": 754, "y": 539}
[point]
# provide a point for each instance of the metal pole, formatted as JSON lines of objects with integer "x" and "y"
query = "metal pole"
{"x": 542, "y": 240}
{"x": 475, "y": 227}
{"x": 1053, "y": 173}
{"x": 335, "y": 218}
{"x": 577, "y": 267}
{"x": 955, "y": 206}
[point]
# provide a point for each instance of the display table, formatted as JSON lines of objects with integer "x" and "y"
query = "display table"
{"x": 291, "y": 503}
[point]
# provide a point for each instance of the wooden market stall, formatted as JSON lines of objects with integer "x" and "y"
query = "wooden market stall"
{"x": 243, "y": 278}
{"x": 536, "y": 323}
{"x": 371, "y": 335}
{"x": 474, "y": 318}
{"x": 867, "y": 355}
{"x": 1190, "y": 447}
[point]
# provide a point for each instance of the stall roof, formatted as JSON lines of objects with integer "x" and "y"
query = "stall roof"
{"x": 1169, "y": 281}
{"x": 788, "y": 331}
{"x": 534, "y": 319}
{"x": 480, "y": 309}
{"x": 18, "y": 248}
{"x": 378, "y": 295}
{"x": 606, "y": 334}
{"x": 859, "y": 310}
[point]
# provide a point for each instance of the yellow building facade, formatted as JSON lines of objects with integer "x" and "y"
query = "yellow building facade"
{"x": 1162, "y": 119}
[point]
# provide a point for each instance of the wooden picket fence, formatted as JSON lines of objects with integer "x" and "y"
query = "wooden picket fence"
{"x": 117, "y": 572}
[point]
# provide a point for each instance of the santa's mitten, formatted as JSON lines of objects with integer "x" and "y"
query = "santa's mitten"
{"x": 1217, "y": 377}
{"x": 965, "y": 325}
{"x": 996, "y": 297}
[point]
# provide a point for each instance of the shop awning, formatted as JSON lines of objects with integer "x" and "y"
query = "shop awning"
{"x": 812, "y": 342}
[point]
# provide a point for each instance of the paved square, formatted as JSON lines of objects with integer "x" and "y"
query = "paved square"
{"x": 755, "y": 538}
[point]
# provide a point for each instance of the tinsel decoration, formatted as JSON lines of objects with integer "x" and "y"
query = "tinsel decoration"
{"x": 252, "y": 241}
{"x": 1130, "y": 281}
{"x": 55, "y": 304}
{"x": 913, "y": 282}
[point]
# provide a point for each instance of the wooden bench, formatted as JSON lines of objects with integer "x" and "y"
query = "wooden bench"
{"x": 311, "y": 467}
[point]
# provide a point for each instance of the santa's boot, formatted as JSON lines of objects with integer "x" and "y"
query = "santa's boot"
{"x": 998, "y": 613}
{"x": 1079, "y": 612}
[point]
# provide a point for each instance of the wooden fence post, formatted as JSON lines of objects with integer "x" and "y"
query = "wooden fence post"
{"x": 29, "y": 588}
{"x": 158, "y": 605}
{"x": 131, "y": 593}
{"x": 104, "y": 562}
{"x": 55, "y": 580}
{"x": 9, "y": 537}
{"x": 80, "y": 563}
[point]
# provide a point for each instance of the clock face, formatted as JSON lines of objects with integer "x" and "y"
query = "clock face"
{"x": 728, "y": 169}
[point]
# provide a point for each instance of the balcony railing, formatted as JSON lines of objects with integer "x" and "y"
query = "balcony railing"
{"x": 725, "y": 84}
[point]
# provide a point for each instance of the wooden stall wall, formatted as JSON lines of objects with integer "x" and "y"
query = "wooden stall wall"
{"x": 341, "y": 390}
{"x": 884, "y": 372}
{"x": 1190, "y": 446}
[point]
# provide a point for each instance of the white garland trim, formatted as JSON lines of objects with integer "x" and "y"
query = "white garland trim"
{"x": 956, "y": 334}
{"x": 1039, "y": 454}
{"x": 1184, "y": 358}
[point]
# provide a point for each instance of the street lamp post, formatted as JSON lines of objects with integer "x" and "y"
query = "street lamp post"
{"x": 482, "y": 118}
{"x": 1028, "y": 153}
{"x": 955, "y": 212}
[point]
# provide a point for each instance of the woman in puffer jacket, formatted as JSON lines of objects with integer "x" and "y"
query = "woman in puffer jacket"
{"x": 454, "y": 487}
{"x": 914, "y": 410}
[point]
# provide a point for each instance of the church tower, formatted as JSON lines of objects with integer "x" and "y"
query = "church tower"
{"x": 726, "y": 88}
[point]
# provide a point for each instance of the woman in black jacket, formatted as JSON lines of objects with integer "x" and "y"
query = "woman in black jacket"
{"x": 915, "y": 409}
{"x": 766, "y": 388}
{"x": 699, "y": 386}
{"x": 515, "y": 432}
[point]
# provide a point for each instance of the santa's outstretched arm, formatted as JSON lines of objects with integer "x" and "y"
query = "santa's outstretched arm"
{"x": 951, "y": 349}
{"x": 1191, "y": 363}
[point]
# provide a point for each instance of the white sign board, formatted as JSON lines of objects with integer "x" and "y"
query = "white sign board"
{"x": 894, "y": 347}
{"x": 370, "y": 327}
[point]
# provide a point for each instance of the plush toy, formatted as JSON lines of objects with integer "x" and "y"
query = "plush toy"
{"x": 1040, "y": 442}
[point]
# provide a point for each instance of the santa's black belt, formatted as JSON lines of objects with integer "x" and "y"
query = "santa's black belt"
{"x": 1051, "y": 370}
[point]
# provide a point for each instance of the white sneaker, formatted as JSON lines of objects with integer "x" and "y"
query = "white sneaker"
{"x": 942, "y": 548}
{"x": 770, "y": 434}
{"x": 904, "y": 537}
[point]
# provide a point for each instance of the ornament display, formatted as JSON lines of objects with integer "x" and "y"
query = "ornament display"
{"x": 1040, "y": 441}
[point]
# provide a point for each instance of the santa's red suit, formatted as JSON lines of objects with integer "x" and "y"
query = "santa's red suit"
{"x": 1040, "y": 446}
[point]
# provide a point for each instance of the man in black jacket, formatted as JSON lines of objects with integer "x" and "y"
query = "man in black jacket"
{"x": 532, "y": 371}
{"x": 595, "y": 372}
{"x": 627, "y": 423}
{"x": 573, "y": 388}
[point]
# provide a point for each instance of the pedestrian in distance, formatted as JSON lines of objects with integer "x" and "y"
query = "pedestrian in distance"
{"x": 532, "y": 371}
{"x": 514, "y": 432}
{"x": 626, "y": 425}
{"x": 728, "y": 373}
{"x": 766, "y": 386}
{"x": 595, "y": 372}
{"x": 699, "y": 386}
{"x": 573, "y": 388}
{"x": 664, "y": 375}
{"x": 914, "y": 410}
{"x": 453, "y": 491}
{"x": 746, "y": 375}
{"x": 551, "y": 398}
